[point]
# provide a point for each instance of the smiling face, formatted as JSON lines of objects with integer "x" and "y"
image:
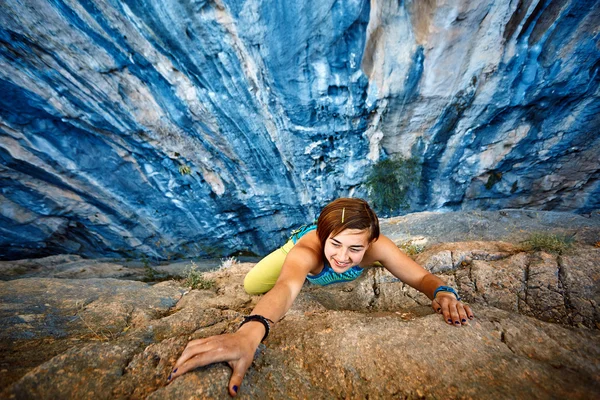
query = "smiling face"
{"x": 346, "y": 249}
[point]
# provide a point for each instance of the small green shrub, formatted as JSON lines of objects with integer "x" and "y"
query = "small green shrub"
{"x": 549, "y": 242}
{"x": 185, "y": 170}
{"x": 389, "y": 183}
{"x": 195, "y": 279}
{"x": 494, "y": 178}
{"x": 411, "y": 249}
{"x": 150, "y": 274}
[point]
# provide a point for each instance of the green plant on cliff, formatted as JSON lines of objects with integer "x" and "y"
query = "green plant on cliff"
{"x": 495, "y": 177}
{"x": 185, "y": 170}
{"x": 150, "y": 274}
{"x": 549, "y": 242}
{"x": 389, "y": 183}
{"x": 195, "y": 279}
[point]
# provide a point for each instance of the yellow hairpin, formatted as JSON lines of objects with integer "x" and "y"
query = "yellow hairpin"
{"x": 343, "y": 212}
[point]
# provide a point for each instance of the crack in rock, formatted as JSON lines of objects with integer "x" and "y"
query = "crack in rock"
{"x": 569, "y": 307}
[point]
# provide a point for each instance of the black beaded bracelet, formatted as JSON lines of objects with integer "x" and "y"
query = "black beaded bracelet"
{"x": 262, "y": 320}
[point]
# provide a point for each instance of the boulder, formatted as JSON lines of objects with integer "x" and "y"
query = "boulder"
{"x": 535, "y": 334}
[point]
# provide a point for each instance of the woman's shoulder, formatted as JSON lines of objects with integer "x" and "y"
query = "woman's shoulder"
{"x": 310, "y": 239}
{"x": 382, "y": 243}
{"x": 309, "y": 243}
{"x": 380, "y": 250}
{"x": 305, "y": 253}
{"x": 297, "y": 234}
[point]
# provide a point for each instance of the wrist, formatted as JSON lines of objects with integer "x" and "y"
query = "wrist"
{"x": 257, "y": 320}
{"x": 253, "y": 332}
{"x": 441, "y": 295}
{"x": 446, "y": 289}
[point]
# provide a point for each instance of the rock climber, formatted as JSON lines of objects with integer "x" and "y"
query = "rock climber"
{"x": 344, "y": 242}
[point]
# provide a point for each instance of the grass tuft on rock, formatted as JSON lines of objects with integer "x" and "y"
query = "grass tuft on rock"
{"x": 228, "y": 263}
{"x": 549, "y": 242}
{"x": 195, "y": 279}
{"x": 411, "y": 249}
{"x": 150, "y": 274}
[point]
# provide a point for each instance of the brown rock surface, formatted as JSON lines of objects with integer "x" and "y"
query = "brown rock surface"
{"x": 76, "y": 267}
{"x": 535, "y": 334}
{"x": 510, "y": 225}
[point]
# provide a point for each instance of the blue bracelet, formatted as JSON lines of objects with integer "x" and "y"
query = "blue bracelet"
{"x": 446, "y": 289}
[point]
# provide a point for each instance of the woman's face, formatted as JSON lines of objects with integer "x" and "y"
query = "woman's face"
{"x": 346, "y": 249}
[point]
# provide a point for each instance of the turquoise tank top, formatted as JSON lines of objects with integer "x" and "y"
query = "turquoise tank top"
{"x": 327, "y": 276}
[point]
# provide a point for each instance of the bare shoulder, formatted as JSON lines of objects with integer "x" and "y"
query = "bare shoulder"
{"x": 304, "y": 256}
{"x": 381, "y": 250}
{"x": 383, "y": 243}
{"x": 394, "y": 260}
{"x": 308, "y": 246}
{"x": 299, "y": 262}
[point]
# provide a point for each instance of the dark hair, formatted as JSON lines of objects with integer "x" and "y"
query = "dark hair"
{"x": 357, "y": 214}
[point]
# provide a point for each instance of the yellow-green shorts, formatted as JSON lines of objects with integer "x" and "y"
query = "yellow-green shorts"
{"x": 263, "y": 276}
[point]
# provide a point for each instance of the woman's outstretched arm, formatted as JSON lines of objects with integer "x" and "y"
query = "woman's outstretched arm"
{"x": 411, "y": 273}
{"x": 238, "y": 349}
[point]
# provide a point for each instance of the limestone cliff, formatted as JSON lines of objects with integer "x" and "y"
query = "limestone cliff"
{"x": 200, "y": 127}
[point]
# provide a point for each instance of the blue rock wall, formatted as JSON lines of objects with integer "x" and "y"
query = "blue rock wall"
{"x": 194, "y": 128}
{"x": 503, "y": 108}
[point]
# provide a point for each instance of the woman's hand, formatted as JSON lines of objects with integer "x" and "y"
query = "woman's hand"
{"x": 237, "y": 349}
{"x": 455, "y": 312}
